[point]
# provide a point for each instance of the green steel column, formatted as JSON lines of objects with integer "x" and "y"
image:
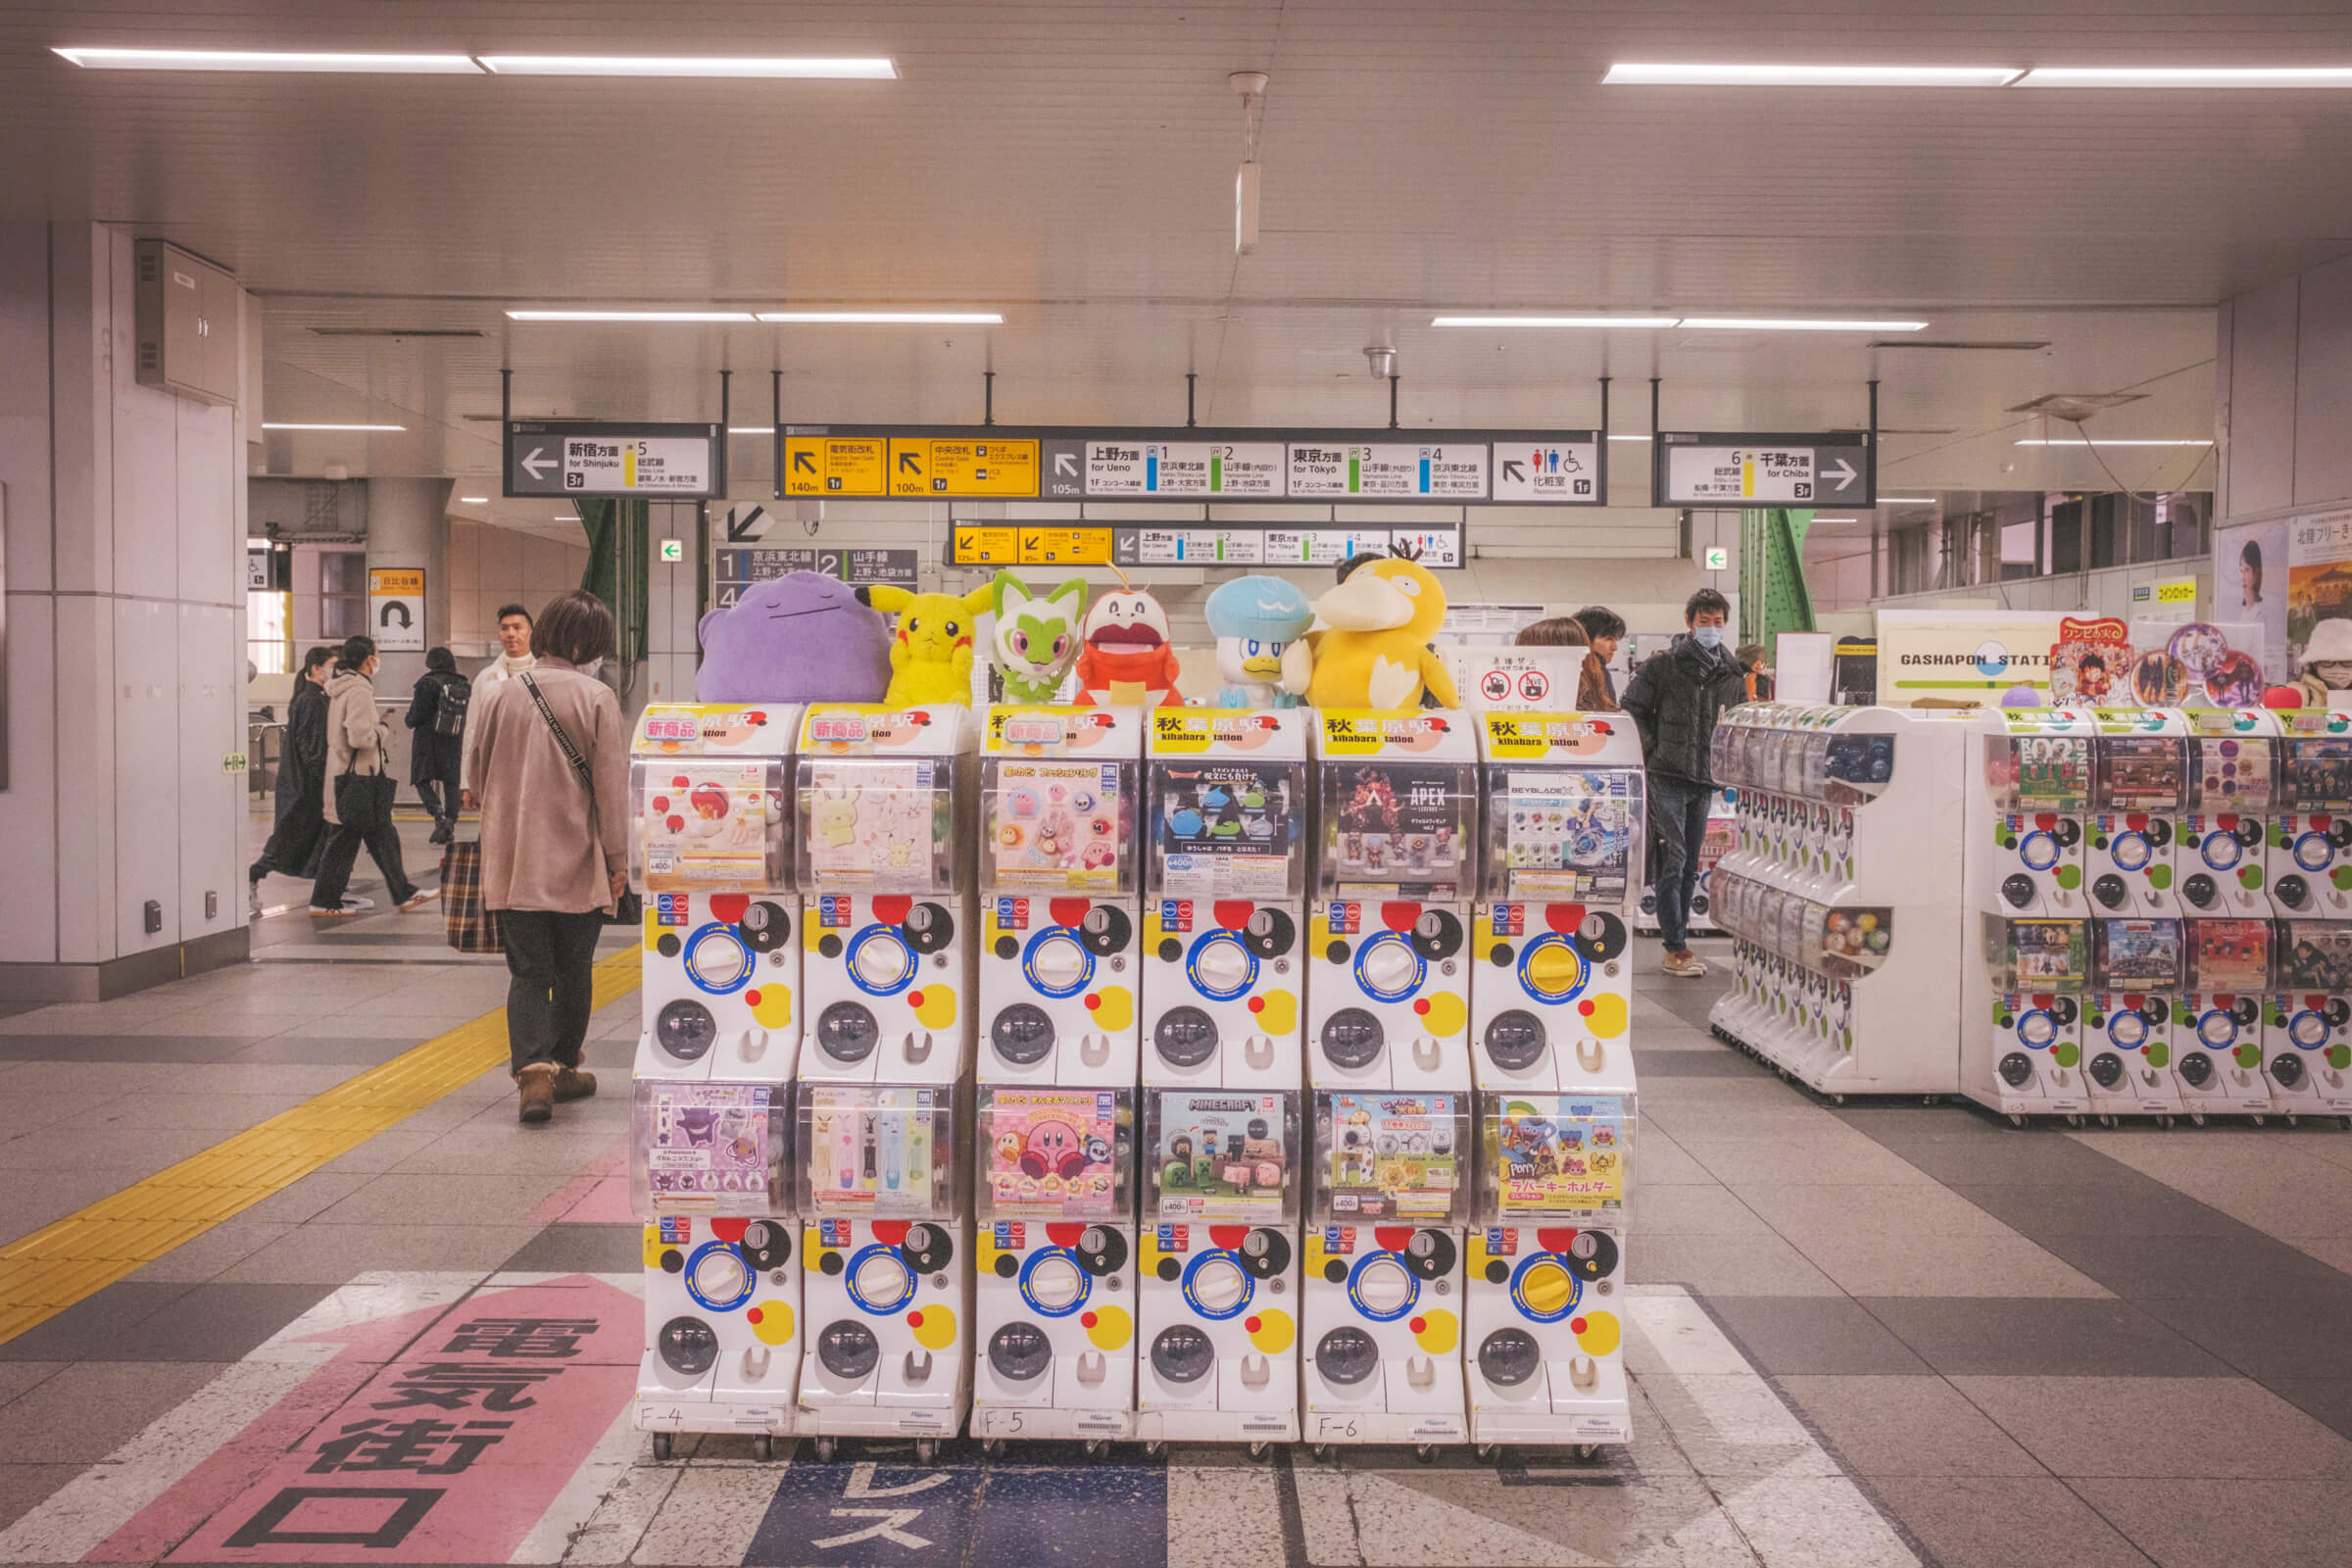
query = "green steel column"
{"x": 1773, "y": 596}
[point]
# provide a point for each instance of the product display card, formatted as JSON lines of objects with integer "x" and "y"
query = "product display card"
{"x": 1056, "y": 824}
{"x": 2317, "y": 775}
{"x": 2232, "y": 774}
{"x": 707, "y": 822}
{"x": 2052, "y": 771}
{"x": 1400, "y": 823}
{"x": 875, "y": 821}
{"x": 1224, "y": 830}
{"x": 706, "y": 1146}
{"x": 2316, "y": 955}
{"x": 871, "y": 1149}
{"x": 2140, "y": 772}
{"x": 1561, "y": 1155}
{"x": 1393, "y": 1155}
{"x": 1050, "y": 1152}
{"x": 1570, "y": 832}
{"x": 1220, "y": 1155}
{"x": 2229, "y": 956}
{"x": 2048, "y": 954}
{"x": 2140, "y": 955}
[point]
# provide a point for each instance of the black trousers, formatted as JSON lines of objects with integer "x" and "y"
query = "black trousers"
{"x": 552, "y": 960}
{"x": 428, "y": 792}
{"x": 343, "y": 850}
{"x": 298, "y": 833}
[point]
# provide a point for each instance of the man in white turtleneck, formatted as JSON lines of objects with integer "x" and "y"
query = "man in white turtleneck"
{"x": 514, "y": 658}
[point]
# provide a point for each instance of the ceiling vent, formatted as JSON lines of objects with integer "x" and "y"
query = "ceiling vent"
{"x": 2075, "y": 407}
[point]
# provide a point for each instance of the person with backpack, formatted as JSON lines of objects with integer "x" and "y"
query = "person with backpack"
{"x": 437, "y": 713}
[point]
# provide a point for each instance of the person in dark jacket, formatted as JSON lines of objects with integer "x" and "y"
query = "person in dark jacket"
{"x": 437, "y": 713}
{"x": 1675, "y": 699}
{"x": 301, "y": 767}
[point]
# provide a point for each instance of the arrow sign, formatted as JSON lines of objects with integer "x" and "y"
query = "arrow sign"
{"x": 539, "y": 461}
{"x": 803, "y": 463}
{"x": 1514, "y": 472}
{"x": 908, "y": 464}
{"x": 740, "y": 529}
{"x": 1739, "y": 468}
{"x": 1842, "y": 471}
{"x": 1066, "y": 464}
{"x": 393, "y": 607}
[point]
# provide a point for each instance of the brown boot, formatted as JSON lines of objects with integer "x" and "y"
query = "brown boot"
{"x": 573, "y": 1083}
{"x": 537, "y": 1085}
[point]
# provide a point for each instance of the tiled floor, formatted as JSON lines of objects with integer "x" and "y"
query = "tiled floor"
{"x": 1919, "y": 1334}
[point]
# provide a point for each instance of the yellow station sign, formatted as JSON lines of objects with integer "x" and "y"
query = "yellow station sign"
{"x": 979, "y": 546}
{"x": 922, "y": 467}
{"x": 1065, "y": 547}
{"x": 834, "y": 464}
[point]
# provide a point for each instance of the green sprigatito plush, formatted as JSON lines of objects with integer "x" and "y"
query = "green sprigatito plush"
{"x": 1037, "y": 636}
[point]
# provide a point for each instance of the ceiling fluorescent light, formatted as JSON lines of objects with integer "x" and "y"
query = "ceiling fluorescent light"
{"x": 1774, "y": 323}
{"x": 473, "y": 501}
{"x": 2188, "y": 76}
{"x": 1906, "y": 500}
{"x": 629, "y": 316}
{"x": 1602, "y": 323}
{"x": 884, "y": 317}
{"x": 269, "y": 426}
{"x": 838, "y": 70}
{"x": 751, "y": 429}
{"x": 269, "y": 60}
{"x": 1628, "y": 438}
{"x": 2107, "y": 441}
{"x": 1801, "y": 76}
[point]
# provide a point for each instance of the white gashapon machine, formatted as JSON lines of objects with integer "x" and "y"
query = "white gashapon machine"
{"x": 2218, "y": 858}
{"x": 890, "y": 960}
{"x": 1387, "y": 993}
{"x": 2310, "y": 860}
{"x": 1547, "y": 1276}
{"x": 2217, "y": 1027}
{"x": 1225, "y": 873}
{"x": 1218, "y": 1262}
{"x": 2135, "y": 981}
{"x": 2306, "y": 1035}
{"x": 1551, "y": 1002}
{"x": 1388, "y": 1197}
{"x": 2036, "y": 773}
{"x": 2024, "y": 1057}
{"x": 2138, "y": 794}
{"x": 1060, "y": 946}
{"x": 710, "y": 1124}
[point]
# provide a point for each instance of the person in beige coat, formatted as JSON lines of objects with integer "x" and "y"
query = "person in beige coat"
{"x": 554, "y": 860}
{"x": 357, "y": 792}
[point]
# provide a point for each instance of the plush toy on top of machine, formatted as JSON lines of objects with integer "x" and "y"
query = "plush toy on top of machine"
{"x": 1129, "y": 659}
{"x": 799, "y": 638}
{"x": 1036, "y": 639}
{"x": 931, "y": 653}
{"x": 1258, "y": 623}
{"x": 1376, "y": 650}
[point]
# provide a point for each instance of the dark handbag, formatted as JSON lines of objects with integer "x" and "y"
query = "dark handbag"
{"x": 471, "y": 927}
{"x": 629, "y": 910}
{"x": 364, "y": 801}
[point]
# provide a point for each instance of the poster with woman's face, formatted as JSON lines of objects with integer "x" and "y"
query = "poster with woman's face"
{"x": 2250, "y": 584}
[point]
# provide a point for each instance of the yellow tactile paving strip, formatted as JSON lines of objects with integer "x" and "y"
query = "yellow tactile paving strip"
{"x": 46, "y": 1273}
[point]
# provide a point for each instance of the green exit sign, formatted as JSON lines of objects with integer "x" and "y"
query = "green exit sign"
{"x": 673, "y": 550}
{"x": 1718, "y": 557}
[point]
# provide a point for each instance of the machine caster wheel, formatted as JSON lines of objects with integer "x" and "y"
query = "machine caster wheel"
{"x": 926, "y": 1449}
{"x": 2257, "y": 1120}
{"x": 993, "y": 1447}
{"x": 2290, "y": 1120}
{"x": 2196, "y": 1119}
{"x": 663, "y": 1445}
{"x": 2165, "y": 1123}
{"x": 1586, "y": 1452}
{"x": 1930, "y": 1099}
{"x": 1152, "y": 1450}
{"x": 1425, "y": 1453}
{"x": 1320, "y": 1452}
{"x": 2073, "y": 1120}
{"x": 2106, "y": 1120}
{"x": 828, "y": 1448}
{"x": 1097, "y": 1447}
{"x": 1838, "y": 1098}
{"x": 2016, "y": 1120}
{"x": 1258, "y": 1450}
{"x": 764, "y": 1447}
{"x": 2347, "y": 1121}
{"x": 1488, "y": 1453}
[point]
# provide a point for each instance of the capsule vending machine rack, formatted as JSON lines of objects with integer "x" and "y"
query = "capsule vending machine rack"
{"x": 2219, "y": 857}
{"x": 1218, "y": 1265}
{"x": 891, "y": 953}
{"x": 2307, "y": 1034}
{"x": 1059, "y": 942}
{"x": 2038, "y": 774}
{"x": 885, "y": 1248}
{"x": 2026, "y": 1059}
{"x": 1387, "y": 953}
{"x": 1055, "y": 1258}
{"x": 1552, "y": 1002}
{"x": 2309, "y": 857}
{"x": 2139, "y": 793}
{"x": 1225, "y": 880}
{"x": 2137, "y": 974}
{"x": 1389, "y": 1196}
{"x": 710, "y": 1116}
{"x": 2217, "y": 1026}
{"x": 1546, "y": 1299}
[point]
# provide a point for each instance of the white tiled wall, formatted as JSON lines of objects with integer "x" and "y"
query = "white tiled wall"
{"x": 492, "y": 567}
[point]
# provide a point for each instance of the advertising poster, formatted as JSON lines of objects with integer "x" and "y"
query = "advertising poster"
{"x": 1225, "y": 830}
{"x": 2200, "y": 664}
{"x": 1561, "y": 1155}
{"x": 2251, "y": 570}
{"x": 2088, "y": 662}
{"x": 1056, "y": 824}
{"x": 1393, "y": 1155}
{"x": 1959, "y": 658}
{"x": 2319, "y": 600}
{"x": 1049, "y": 1152}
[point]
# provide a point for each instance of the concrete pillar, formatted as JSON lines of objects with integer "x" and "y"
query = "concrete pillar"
{"x": 408, "y": 525}
{"x": 672, "y": 609}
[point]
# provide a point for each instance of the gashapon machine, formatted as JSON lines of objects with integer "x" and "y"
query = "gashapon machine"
{"x": 884, "y": 1195}
{"x": 2135, "y": 978}
{"x": 887, "y": 802}
{"x": 2038, "y": 774}
{"x": 1384, "y": 1242}
{"x": 2217, "y": 1027}
{"x": 1225, "y": 874}
{"x": 2026, "y": 1058}
{"x": 1054, "y": 1254}
{"x": 1547, "y": 1275}
{"x": 2309, "y": 858}
{"x": 2219, "y": 852}
{"x": 1388, "y": 992}
{"x": 2306, "y": 1035}
{"x": 1060, "y": 951}
{"x": 2139, "y": 790}
{"x": 1552, "y": 999}
{"x": 711, "y": 852}
{"x": 1218, "y": 1259}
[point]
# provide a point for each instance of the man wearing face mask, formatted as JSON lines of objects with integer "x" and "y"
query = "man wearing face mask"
{"x": 1675, "y": 700}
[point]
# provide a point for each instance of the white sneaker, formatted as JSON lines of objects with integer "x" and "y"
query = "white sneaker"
{"x": 344, "y": 912}
{"x": 1685, "y": 964}
{"x": 418, "y": 899}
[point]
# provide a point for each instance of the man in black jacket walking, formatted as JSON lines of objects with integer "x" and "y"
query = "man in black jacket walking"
{"x": 1675, "y": 699}
{"x": 301, "y": 818}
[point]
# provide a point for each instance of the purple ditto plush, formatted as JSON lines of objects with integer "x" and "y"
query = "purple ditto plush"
{"x": 799, "y": 638}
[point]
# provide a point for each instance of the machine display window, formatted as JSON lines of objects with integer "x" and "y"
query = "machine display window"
{"x": 1410, "y": 826}
{"x": 2136, "y": 955}
{"x": 2039, "y": 773}
{"x": 1857, "y": 768}
{"x": 874, "y": 826}
{"x": 1226, "y": 830}
{"x": 2232, "y": 772}
{"x": 2316, "y": 955}
{"x": 877, "y": 1151}
{"x": 1054, "y": 824}
{"x": 1854, "y": 942}
{"x": 1564, "y": 833}
{"x": 2315, "y": 775}
{"x": 2036, "y": 955}
{"x": 707, "y": 1147}
{"x": 1054, "y": 1153}
{"x": 1391, "y": 1155}
{"x": 2229, "y": 956}
{"x": 711, "y": 803}
{"x": 1221, "y": 1155}
{"x": 1555, "y": 1157}
{"x": 2140, "y": 772}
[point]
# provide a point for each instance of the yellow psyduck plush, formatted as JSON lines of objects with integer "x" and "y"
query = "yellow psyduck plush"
{"x": 931, "y": 651}
{"x": 1375, "y": 649}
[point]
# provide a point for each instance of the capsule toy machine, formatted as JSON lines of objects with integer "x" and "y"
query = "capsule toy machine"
{"x": 2140, "y": 789}
{"x": 2036, "y": 774}
{"x": 711, "y": 851}
{"x": 1218, "y": 1267}
{"x": 1552, "y": 1001}
{"x": 2218, "y": 1025}
{"x": 2219, "y": 856}
{"x": 2306, "y": 1035}
{"x": 1727, "y": 760}
{"x": 1545, "y": 1355}
{"x": 1389, "y": 1195}
{"x": 890, "y": 952}
{"x": 886, "y": 1251}
{"x": 1225, "y": 881}
{"x": 1060, "y": 950}
{"x": 2309, "y": 857}
{"x": 2137, "y": 974}
{"x": 1387, "y": 953}
{"x": 1054, "y": 1259}
{"x": 2026, "y": 1058}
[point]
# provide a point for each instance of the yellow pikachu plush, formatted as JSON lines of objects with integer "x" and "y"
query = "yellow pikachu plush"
{"x": 931, "y": 653}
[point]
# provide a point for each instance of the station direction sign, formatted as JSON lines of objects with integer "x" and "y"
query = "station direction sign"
{"x": 589, "y": 459}
{"x": 1225, "y": 543}
{"x": 1537, "y": 467}
{"x": 1718, "y": 469}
